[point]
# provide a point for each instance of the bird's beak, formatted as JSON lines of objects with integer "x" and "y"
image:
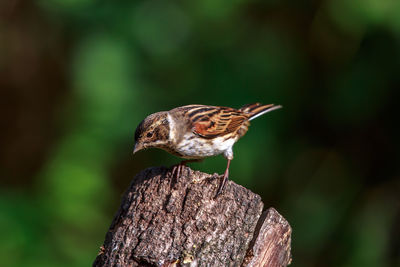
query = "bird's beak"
{"x": 137, "y": 148}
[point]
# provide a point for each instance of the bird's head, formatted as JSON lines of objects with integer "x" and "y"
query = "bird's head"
{"x": 153, "y": 131}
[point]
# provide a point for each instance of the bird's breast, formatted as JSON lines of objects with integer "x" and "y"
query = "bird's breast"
{"x": 194, "y": 147}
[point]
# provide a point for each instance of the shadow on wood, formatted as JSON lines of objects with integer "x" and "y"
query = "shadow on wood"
{"x": 164, "y": 221}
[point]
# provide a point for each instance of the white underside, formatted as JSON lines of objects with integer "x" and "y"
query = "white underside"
{"x": 197, "y": 147}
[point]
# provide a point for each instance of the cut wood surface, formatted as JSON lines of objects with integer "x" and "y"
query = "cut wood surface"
{"x": 168, "y": 221}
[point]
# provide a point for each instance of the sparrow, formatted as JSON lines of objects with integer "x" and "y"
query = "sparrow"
{"x": 194, "y": 132}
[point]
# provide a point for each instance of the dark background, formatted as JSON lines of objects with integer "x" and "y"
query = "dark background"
{"x": 77, "y": 76}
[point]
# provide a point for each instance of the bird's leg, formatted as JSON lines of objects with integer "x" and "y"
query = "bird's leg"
{"x": 224, "y": 179}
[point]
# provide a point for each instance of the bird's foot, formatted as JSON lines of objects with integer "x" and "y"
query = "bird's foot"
{"x": 225, "y": 178}
{"x": 178, "y": 169}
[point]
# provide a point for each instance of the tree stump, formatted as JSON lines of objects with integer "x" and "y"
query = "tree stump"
{"x": 168, "y": 221}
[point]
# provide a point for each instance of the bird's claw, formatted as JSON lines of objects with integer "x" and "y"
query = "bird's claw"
{"x": 177, "y": 169}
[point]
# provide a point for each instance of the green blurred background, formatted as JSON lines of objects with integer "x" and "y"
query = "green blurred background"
{"x": 77, "y": 76}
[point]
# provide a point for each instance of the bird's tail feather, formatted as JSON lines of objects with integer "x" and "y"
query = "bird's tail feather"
{"x": 255, "y": 110}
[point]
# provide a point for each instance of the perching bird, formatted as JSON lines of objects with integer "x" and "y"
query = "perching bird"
{"x": 198, "y": 131}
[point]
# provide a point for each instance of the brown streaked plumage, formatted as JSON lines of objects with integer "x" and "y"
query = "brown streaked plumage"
{"x": 197, "y": 131}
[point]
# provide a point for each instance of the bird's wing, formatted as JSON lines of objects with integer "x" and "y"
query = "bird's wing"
{"x": 210, "y": 122}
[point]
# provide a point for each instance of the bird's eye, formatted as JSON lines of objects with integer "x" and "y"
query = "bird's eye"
{"x": 149, "y": 135}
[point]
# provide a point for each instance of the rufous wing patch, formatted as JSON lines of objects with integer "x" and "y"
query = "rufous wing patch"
{"x": 213, "y": 124}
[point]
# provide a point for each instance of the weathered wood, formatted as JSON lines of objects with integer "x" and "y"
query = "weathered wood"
{"x": 271, "y": 242}
{"x": 164, "y": 221}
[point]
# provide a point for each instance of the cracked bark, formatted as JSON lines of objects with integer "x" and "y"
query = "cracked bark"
{"x": 163, "y": 221}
